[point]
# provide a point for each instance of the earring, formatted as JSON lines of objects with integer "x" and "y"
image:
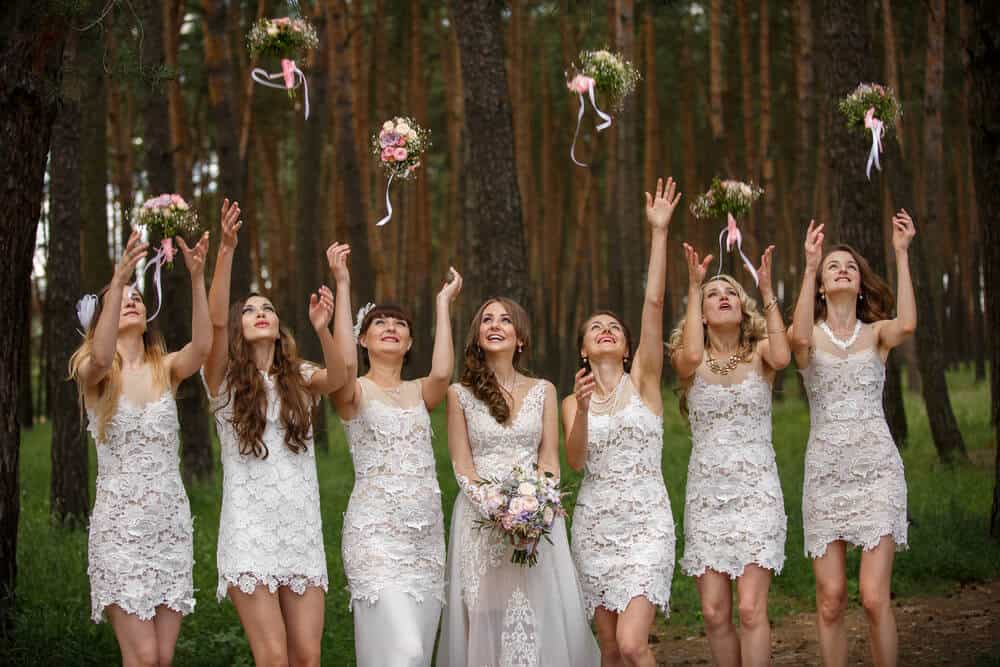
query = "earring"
{"x": 520, "y": 348}
{"x": 861, "y": 297}
{"x": 822, "y": 296}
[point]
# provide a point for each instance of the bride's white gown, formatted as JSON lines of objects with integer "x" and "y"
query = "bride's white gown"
{"x": 500, "y": 614}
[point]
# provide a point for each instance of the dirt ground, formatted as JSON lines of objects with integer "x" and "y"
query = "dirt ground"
{"x": 959, "y": 628}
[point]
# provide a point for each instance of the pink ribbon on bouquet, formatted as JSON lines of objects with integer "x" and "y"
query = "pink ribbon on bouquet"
{"x": 164, "y": 254}
{"x": 581, "y": 84}
{"x": 877, "y": 128}
{"x": 733, "y": 236}
{"x": 290, "y": 73}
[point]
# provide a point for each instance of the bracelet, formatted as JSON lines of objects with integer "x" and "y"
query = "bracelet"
{"x": 781, "y": 330}
{"x": 771, "y": 304}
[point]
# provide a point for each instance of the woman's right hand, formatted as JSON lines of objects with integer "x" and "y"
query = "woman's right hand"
{"x": 135, "y": 250}
{"x": 696, "y": 269}
{"x": 814, "y": 246}
{"x": 231, "y": 223}
{"x": 583, "y": 388}
{"x": 336, "y": 258}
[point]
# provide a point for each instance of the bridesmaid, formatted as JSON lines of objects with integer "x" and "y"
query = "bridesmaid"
{"x": 499, "y": 418}
{"x": 854, "y": 491}
{"x": 271, "y": 559}
{"x": 726, "y": 355}
{"x": 393, "y": 535}
{"x": 623, "y": 530}
{"x": 140, "y": 544}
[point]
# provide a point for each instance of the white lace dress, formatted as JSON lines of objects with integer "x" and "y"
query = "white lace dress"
{"x": 623, "y": 529}
{"x": 270, "y": 529}
{"x": 393, "y": 536}
{"x": 500, "y": 614}
{"x": 140, "y": 545}
{"x": 854, "y": 487}
{"x": 734, "y": 512}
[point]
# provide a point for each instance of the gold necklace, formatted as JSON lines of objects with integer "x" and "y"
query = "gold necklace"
{"x": 719, "y": 369}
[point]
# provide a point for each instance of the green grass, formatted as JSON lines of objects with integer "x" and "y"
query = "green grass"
{"x": 949, "y": 505}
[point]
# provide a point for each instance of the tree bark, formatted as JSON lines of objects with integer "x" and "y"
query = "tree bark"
{"x": 984, "y": 61}
{"x": 68, "y": 489}
{"x": 96, "y": 265}
{"x": 804, "y": 92}
{"x": 30, "y": 77}
{"x": 494, "y": 231}
{"x": 716, "y": 86}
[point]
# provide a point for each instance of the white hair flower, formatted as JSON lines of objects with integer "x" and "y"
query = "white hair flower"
{"x": 85, "y": 309}
{"x": 359, "y": 320}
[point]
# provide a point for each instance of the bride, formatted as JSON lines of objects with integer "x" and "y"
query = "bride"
{"x": 499, "y": 613}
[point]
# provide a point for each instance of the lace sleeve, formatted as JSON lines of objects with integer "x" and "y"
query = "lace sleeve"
{"x": 475, "y": 492}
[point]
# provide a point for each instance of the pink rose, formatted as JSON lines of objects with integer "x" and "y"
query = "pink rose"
{"x": 167, "y": 245}
{"x": 400, "y": 154}
{"x": 580, "y": 84}
{"x": 529, "y": 504}
{"x": 401, "y": 140}
{"x": 284, "y": 20}
{"x": 387, "y": 155}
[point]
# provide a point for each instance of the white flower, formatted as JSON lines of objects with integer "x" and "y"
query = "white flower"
{"x": 388, "y": 126}
{"x": 359, "y": 320}
{"x": 526, "y": 489}
{"x": 272, "y": 30}
{"x": 548, "y": 515}
{"x": 403, "y": 129}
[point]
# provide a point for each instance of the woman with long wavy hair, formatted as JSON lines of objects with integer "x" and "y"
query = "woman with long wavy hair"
{"x": 499, "y": 418}
{"x": 623, "y": 529}
{"x": 854, "y": 491}
{"x": 726, "y": 354}
{"x": 271, "y": 559}
{"x": 140, "y": 555}
{"x": 393, "y": 535}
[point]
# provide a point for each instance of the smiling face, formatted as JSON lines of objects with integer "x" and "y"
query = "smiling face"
{"x": 840, "y": 273}
{"x": 387, "y": 335}
{"x": 497, "y": 333}
{"x": 721, "y": 303}
{"x": 259, "y": 319}
{"x": 603, "y": 335}
{"x": 133, "y": 310}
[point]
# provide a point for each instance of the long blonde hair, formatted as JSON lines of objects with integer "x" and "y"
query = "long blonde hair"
{"x": 753, "y": 327}
{"x": 109, "y": 389}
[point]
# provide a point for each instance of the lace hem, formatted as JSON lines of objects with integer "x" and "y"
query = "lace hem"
{"x": 817, "y": 546}
{"x": 144, "y": 609}
{"x": 696, "y": 567}
{"x": 616, "y": 601}
{"x": 248, "y": 581}
{"x": 419, "y": 595}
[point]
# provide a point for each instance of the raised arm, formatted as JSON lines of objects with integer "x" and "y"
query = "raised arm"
{"x": 774, "y": 349}
{"x": 687, "y": 359}
{"x": 102, "y": 350}
{"x": 548, "y": 450}
{"x": 801, "y": 331}
{"x": 344, "y": 399}
{"x": 435, "y": 385}
{"x": 218, "y": 297}
{"x": 333, "y": 375}
{"x": 893, "y": 332}
{"x": 576, "y": 417}
{"x": 185, "y": 362}
{"x": 648, "y": 363}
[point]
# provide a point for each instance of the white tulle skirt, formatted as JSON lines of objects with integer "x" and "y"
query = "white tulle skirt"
{"x": 396, "y": 631}
{"x": 499, "y": 613}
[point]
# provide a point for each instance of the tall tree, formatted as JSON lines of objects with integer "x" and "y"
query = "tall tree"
{"x": 494, "y": 233}
{"x": 30, "y": 77}
{"x": 984, "y": 61}
{"x": 96, "y": 262}
{"x": 68, "y": 489}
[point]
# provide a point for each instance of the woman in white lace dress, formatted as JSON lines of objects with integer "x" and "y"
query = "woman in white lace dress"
{"x": 270, "y": 558}
{"x": 623, "y": 529}
{"x": 140, "y": 546}
{"x": 499, "y": 613}
{"x": 854, "y": 491}
{"x": 393, "y": 535}
{"x": 726, "y": 354}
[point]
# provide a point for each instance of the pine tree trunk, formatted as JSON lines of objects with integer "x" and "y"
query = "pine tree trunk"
{"x": 804, "y": 91}
{"x": 96, "y": 265}
{"x": 716, "y": 86}
{"x": 751, "y": 166}
{"x": 984, "y": 61}
{"x": 30, "y": 75}
{"x": 494, "y": 233}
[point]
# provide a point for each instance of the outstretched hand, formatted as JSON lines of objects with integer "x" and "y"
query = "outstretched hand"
{"x": 135, "y": 250}
{"x": 583, "y": 388}
{"x": 660, "y": 207}
{"x": 452, "y": 287}
{"x": 194, "y": 258}
{"x": 696, "y": 268}
{"x": 321, "y": 308}
{"x": 764, "y": 273}
{"x": 336, "y": 259}
{"x": 231, "y": 223}
{"x": 903, "y": 230}
{"x": 814, "y": 245}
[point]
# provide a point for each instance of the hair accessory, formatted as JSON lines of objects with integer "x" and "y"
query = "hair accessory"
{"x": 85, "y": 309}
{"x": 359, "y": 320}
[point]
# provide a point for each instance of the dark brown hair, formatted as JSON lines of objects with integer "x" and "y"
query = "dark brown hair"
{"x": 875, "y": 300}
{"x": 384, "y": 310}
{"x": 477, "y": 376}
{"x": 629, "y": 350}
{"x": 248, "y": 395}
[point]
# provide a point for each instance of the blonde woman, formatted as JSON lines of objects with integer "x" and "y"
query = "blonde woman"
{"x": 726, "y": 355}
{"x": 140, "y": 555}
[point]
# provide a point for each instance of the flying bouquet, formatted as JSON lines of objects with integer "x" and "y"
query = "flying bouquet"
{"x": 522, "y": 509}
{"x": 728, "y": 199}
{"x": 169, "y": 215}
{"x": 608, "y": 74}
{"x": 288, "y": 39}
{"x": 871, "y": 107}
{"x": 399, "y": 146}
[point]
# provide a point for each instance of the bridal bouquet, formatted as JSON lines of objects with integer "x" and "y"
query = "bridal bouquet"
{"x": 725, "y": 198}
{"x": 288, "y": 39}
{"x": 169, "y": 215}
{"x": 606, "y": 73}
{"x": 398, "y": 146}
{"x": 871, "y": 107}
{"x": 522, "y": 508}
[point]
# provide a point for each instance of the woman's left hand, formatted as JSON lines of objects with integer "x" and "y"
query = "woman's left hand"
{"x": 903, "y": 230}
{"x": 321, "y": 308}
{"x": 660, "y": 208}
{"x": 764, "y": 273}
{"x": 194, "y": 258}
{"x": 451, "y": 288}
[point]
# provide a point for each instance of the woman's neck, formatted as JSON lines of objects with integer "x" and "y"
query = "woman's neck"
{"x": 724, "y": 340}
{"x": 841, "y": 312}
{"x": 384, "y": 374}
{"x": 607, "y": 374}
{"x": 262, "y": 352}
{"x": 502, "y": 366}
{"x": 132, "y": 350}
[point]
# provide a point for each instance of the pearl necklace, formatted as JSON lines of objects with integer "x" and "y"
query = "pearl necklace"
{"x": 842, "y": 344}
{"x": 604, "y": 404}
